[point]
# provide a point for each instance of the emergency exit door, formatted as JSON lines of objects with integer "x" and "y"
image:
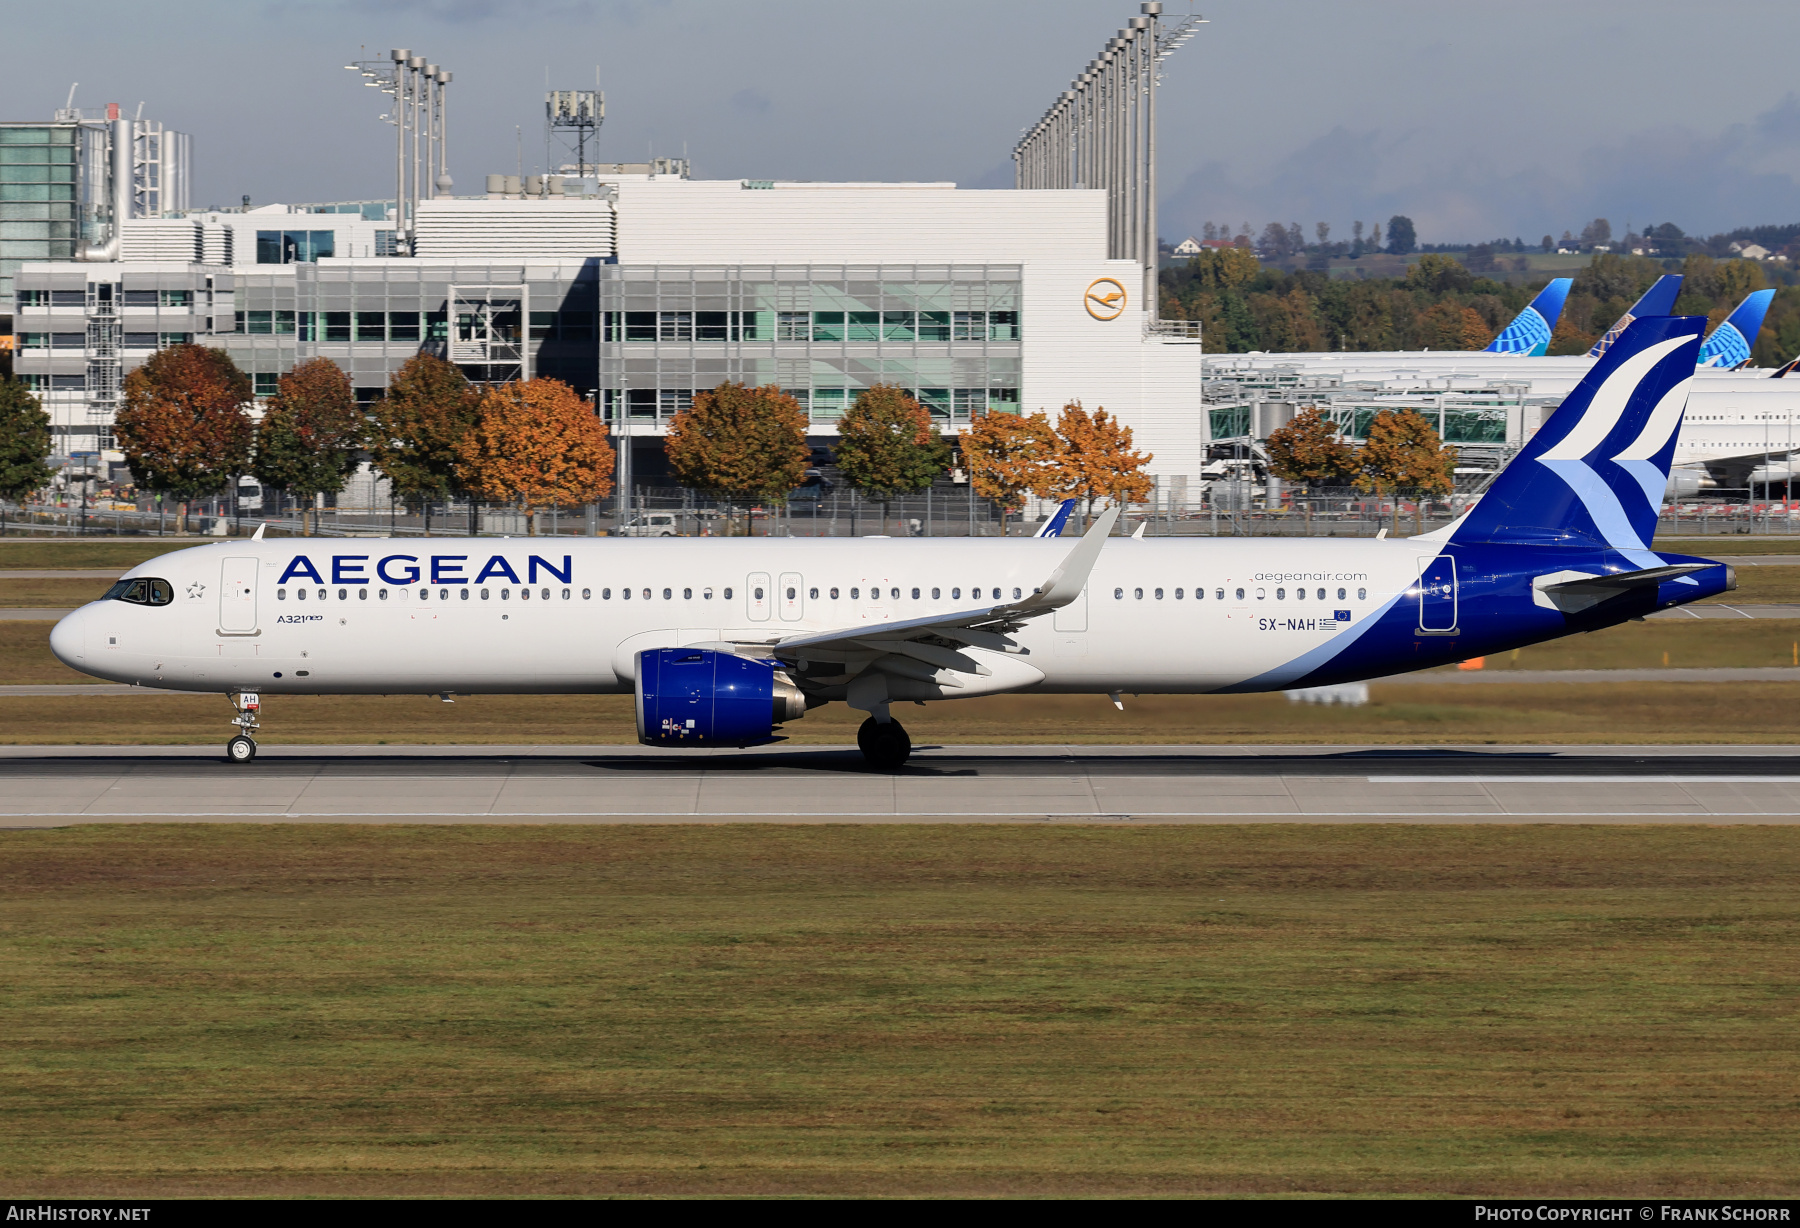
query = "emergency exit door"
{"x": 237, "y": 597}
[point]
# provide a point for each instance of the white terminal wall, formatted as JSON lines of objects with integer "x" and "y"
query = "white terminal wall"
{"x": 1151, "y": 383}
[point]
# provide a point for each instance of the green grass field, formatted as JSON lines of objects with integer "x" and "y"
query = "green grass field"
{"x": 327, "y": 1010}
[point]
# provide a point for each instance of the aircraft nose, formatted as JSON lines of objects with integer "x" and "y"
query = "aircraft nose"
{"x": 68, "y": 640}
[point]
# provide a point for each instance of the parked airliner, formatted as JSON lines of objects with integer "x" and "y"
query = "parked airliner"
{"x": 724, "y": 640}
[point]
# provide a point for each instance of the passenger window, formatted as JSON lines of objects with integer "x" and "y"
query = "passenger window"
{"x": 915, "y": 594}
{"x": 1261, "y": 594}
{"x": 668, "y": 594}
{"x": 382, "y": 594}
{"x": 300, "y": 593}
{"x": 812, "y": 594}
{"x": 757, "y": 594}
{"x": 281, "y": 594}
{"x": 1321, "y": 594}
{"x": 1138, "y": 593}
{"x": 605, "y": 594}
{"x": 855, "y": 593}
{"x": 362, "y": 594}
{"x": 545, "y": 593}
{"x": 937, "y": 594}
{"x": 792, "y": 592}
{"x": 1240, "y": 594}
{"x": 687, "y": 594}
{"x": 647, "y": 594}
{"x": 728, "y": 594}
{"x": 894, "y": 593}
{"x": 587, "y": 594}
{"x": 1340, "y": 594}
{"x": 834, "y": 594}
{"x": 461, "y": 592}
{"x": 1017, "y": 594}
{"x": 1299, "y": 594}
{"x": 706, "y": 594}
{"x": 506, "y": 594}
{"x": 1362, "y": 594}
{"x": 625, "y": 594}
{"x": 1159, "y": 594}
{"x": 1178, "y": 594}
{"x": 956, "y": 594}
{"x": 343, "y": 594}
{"x": 1118, "y": 594}
{"x": 484, "y": 594}
{"x": 1219, "y": 594}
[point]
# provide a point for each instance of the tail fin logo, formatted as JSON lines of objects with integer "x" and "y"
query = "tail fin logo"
{"x": 1572, "y": 458}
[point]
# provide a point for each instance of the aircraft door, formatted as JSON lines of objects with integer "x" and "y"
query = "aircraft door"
{"x": 1437, "y": 594}
{"x": 792, "y": 596}
{"x": 756, "y": 594}
{"x": 1073, "y": 617}
{"x": 237, "y": 597}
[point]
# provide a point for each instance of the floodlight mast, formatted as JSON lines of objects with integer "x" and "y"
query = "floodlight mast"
{"x": 1101, "y": 133}
{"x": 420, "y": 116}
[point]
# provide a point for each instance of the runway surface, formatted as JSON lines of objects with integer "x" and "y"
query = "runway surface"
{"x": 55, "y": 786}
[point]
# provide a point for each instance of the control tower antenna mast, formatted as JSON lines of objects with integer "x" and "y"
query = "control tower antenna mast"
{"x": 576, "y": 114}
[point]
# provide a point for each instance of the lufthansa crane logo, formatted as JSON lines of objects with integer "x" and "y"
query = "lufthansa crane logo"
{"x": 1105, "y": 299}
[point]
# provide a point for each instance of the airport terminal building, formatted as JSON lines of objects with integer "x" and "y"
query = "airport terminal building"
{"x": 638, "y": 295}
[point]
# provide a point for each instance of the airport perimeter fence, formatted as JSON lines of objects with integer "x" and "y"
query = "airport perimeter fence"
{"x": 1219, "y": 510}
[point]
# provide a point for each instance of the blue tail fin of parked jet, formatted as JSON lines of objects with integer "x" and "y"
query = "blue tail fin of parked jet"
{"x": 1053, "y": 527}
{"x": 1529, "y": 333}
{"x": 1595, "y": 473}
{"x": 1658, "y": 300}
{"x": 1729, "y": 345}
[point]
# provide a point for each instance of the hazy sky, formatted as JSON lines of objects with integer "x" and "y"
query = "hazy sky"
{"x": 1476, "y": 119}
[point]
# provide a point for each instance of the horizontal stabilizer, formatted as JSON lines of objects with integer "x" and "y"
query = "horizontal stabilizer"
{"x": 1578, "y": 592}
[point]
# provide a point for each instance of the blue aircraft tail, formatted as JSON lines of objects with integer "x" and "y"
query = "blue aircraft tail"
{"x": 1729, "y": 345}
{"x": 1529, "y": 333}
{"x": 1053, "y": 527}
{"x": 1595, "y": 473}
{"x": 1658, "y": 300}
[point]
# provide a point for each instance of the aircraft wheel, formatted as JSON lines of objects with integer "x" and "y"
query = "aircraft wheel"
{"x": 885, "y": 747}
{"x": 240, "y": 750}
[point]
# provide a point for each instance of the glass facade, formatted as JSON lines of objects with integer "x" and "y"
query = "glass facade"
{"x": 822, "y": 333}
{"x": 40, "y": 191}
{"x": 294, "y": 246}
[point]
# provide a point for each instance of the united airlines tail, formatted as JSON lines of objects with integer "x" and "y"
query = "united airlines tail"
{"x": 1658, "y": 300}
{"x": 1729, "y": 345}
{"x": 1595, "y": 473}
{"x": 1529, "y": 333}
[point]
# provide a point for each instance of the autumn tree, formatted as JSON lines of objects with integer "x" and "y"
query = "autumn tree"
{"x": 416, "y": 430}
{"x": 184, "y": 429}
{"x": 888, "y": 445}
{"x": 535, "y": 444}
{"x": 24, "y": 442}
{"x": 307, "y": 441}
{"x": 1311, "y": 449}
{"x": 1452, "y": 326}
{"x": 1094, "y": 459}
{"x": 740, "y": 442}
{"x": 1007, "y": 457}
{"x": 1403, "y": 453}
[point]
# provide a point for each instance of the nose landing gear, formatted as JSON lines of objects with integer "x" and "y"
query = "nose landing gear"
{"x": 242, "y": 746}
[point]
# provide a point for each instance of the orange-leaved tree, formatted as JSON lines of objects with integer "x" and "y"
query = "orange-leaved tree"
{"x": 184, "y": 429}
{"x": 1095, "y": 460}
{"x": 1311, "y": 449}
{"x": 307, "y": 441}
{"x": 740, "y": 442}
{"x": 535, "y": 444}
{"x": 1009, "y": 456}
{"x": 1403, "y": 453}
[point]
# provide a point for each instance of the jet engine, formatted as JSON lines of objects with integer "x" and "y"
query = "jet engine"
{"x": 698, "y": 697}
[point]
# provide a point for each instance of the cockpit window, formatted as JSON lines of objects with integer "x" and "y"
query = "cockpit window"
{"x": 141, "y": 592}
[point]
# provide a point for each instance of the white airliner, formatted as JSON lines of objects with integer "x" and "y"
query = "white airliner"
{"x": 723, "y": 640}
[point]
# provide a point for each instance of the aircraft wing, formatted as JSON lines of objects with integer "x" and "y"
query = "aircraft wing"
{"x": 921, "y": 641}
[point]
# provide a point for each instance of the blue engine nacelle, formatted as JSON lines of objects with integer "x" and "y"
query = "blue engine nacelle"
{"x": 697, "y": 697}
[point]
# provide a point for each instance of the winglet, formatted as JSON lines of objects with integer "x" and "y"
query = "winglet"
{"x": 1053, "y": 527}
{"x": 258, "y": 535}
{"x": 1067, "y": 581}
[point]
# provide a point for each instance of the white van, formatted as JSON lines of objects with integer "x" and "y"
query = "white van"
{"x": 651, "y": 524}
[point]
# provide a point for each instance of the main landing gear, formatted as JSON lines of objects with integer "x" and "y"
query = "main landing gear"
{"x": 242, "y": 747}
{"x": 884, "y": 745}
